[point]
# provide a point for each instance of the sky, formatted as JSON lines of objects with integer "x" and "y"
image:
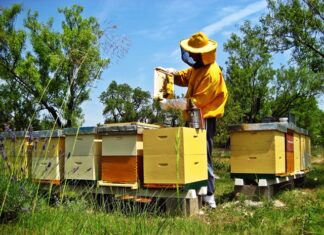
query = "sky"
{"x": 153, "y": 30}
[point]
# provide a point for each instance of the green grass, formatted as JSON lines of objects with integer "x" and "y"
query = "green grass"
{"x": 303, "y": 213}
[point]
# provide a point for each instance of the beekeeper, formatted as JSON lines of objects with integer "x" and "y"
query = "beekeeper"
{"x": 207, "y": 90}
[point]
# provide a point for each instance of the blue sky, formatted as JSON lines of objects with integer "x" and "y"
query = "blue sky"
{"x": 153, "y": 30}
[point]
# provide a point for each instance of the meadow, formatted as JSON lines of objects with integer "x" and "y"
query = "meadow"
{"x": 37, "y": 210}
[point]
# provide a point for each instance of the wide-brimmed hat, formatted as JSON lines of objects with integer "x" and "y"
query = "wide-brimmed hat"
{"x": 198, "y": 43}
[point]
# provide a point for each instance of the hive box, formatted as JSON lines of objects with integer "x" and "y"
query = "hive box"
{"x": 122, "y": 152}
{"x": 268, "y": 149}
{"x": 82, "y": 152}
{"x": 47, "y": 153}
{"x": 297, "y": 149}
{"x": 260, "y": 152}
{"x": 14, "y": 147}
{"x": 175, "y": 157}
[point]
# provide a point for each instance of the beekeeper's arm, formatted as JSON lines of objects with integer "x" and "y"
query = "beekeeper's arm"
{"x": 181, "y": 78}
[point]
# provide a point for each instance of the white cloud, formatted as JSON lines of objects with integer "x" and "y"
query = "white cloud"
{"x": 234, "y": 17}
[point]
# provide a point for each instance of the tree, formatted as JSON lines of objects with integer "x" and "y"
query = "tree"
{"x": 297, "y": 25}
{"x": 61, "y": 67}
{"x": 248, "y": 74}
{"x": 293, "y": 88}
{"x": 125, "y": 104}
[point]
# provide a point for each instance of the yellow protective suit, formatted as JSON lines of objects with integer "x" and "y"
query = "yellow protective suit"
{"x": 206, "y": 86}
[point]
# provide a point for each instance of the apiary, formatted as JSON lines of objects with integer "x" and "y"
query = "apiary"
{"x": 82, "y": 153}
{"x": 266, "y": 149}
{"x": 47, "y": 153}
{"x": 122, "y": 152}
{"x": 175, "y": 157}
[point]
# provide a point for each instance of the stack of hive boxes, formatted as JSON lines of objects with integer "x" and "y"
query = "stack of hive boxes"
{"x": 175, "y": 157}
{"x": 14, "y": 152}
{"x": 267, "y": 149}
{"x": 122, "y": 153}
{"x": 47, "y": 153}
{"x": 82, "y": 153}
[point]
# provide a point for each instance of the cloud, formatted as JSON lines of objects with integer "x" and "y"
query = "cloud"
{"x": 234, "y": 17}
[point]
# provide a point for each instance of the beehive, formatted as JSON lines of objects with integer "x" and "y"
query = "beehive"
{"x": 258, "y": 151}
{"x": 47, "y": 153}
{"x": 297, "y": 149}
{"x": 122, "y": 152}
{"x": 305, "y": 152}
{"x": 82, "y": 152}
{"x": 267, "y": 148}
{"x": 175, "y": 157}
{"x": 14, "y": 157}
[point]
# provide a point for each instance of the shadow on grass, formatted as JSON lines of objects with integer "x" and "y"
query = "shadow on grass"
{"x": 315, "y": 178}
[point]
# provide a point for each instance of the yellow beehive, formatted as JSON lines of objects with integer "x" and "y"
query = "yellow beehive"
{"x": 174, "y": 156}
{"x": 122, "y": 152}
{"x": 307, "y": 152}
{"x": 82, "y": 152}
{"x": 258, "y": 149}
{"x": 47, "y": 153}
{"x": 15, "y": 149}
{"x": 297, "y": 147}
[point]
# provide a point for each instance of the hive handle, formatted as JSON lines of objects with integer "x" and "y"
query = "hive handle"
{"x": 162, "y": 136}
{"x": 252, "y": 158}
{"x": 163, "y": 164}
{"x": 196, "y": 163}
{"x": 78, "y": 163}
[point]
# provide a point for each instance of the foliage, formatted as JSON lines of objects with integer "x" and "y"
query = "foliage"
{"x": 248, "y": 73}
{"x": 297, "y": 25}
{"x": 60, "y": 67}
{"x": 126, "y": 104}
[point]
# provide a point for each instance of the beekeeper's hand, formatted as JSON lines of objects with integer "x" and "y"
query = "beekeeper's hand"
{"x": 168, "y": 70}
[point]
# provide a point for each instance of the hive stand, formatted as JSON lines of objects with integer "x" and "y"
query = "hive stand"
{"x": 266, "y": 188}
{"x": 179, "y": 202}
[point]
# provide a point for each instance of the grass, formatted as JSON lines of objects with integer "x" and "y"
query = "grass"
{"x": 302, "y": 213}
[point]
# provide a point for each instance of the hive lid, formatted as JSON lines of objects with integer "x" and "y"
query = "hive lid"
{"x": 276, "y": 126}
{"x": 257, "y": 127}
{"x": 125, "y": 128}
{"x": 47, "y": 133}
{"x": 80, "y": 131}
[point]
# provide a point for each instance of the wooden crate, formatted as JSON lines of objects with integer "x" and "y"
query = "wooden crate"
{"x": 122, "y": 169}
{"x": 170, "y": 170}
{"x": 167, "y": 141}
{"x": 258, "y": 152}
{"x": 82, "y": 168}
